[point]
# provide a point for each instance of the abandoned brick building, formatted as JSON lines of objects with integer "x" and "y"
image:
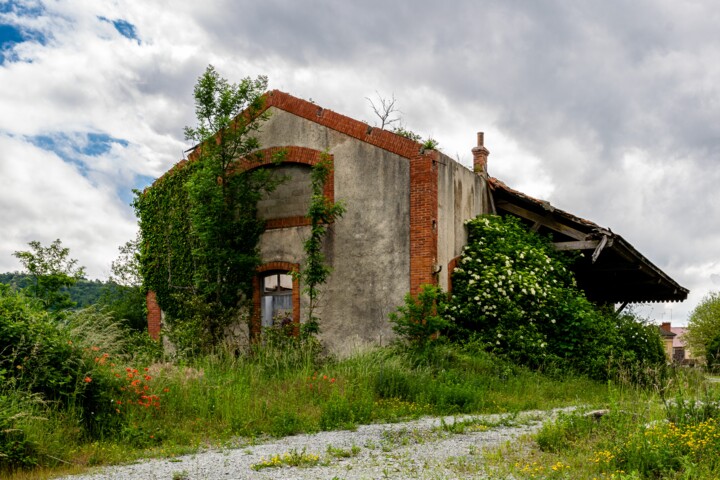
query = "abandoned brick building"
{"x": 403, "y": 226}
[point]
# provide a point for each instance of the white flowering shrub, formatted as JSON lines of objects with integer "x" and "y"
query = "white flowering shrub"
{"x": 516, "y": 293}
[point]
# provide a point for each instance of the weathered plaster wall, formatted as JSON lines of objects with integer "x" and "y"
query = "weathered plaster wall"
{"x": 368, "y": 248}
{"x": 461, "y": 195}
{"x": 291, "y": 198}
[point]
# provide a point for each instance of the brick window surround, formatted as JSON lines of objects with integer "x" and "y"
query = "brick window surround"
{"x": 262, "y": 270}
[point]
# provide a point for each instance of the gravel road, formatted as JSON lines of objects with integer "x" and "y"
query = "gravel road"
{"x": 407, "y": 450}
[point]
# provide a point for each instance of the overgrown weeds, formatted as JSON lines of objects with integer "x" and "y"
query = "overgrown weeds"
{"x": 163, "y": 408}
{"x": 670, "y": 433}
{"x": 115, "y": 404}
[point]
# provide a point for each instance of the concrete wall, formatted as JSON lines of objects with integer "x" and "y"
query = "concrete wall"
{"x": 462, "y": 194}
{"x": 368, "y": 248}
{"x": 291, "y": 198}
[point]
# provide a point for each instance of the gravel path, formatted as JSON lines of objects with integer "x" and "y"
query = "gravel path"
{"x": 406, "y": 450}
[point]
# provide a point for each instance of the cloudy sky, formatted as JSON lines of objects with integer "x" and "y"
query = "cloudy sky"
{"x": 610, "y": 110}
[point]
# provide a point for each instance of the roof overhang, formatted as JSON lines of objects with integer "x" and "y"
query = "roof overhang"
{"x": 610, "y": 270}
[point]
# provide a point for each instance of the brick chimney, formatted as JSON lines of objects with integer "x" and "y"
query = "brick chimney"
{"x": 480, "y": 155}
{"x": 666, "y": 326}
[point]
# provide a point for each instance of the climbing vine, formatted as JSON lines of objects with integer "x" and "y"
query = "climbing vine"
{"x": 199, "y": 222}
{"x": 322, "y": 211}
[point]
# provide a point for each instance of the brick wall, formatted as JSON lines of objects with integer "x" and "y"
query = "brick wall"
{"x": 154, "y": 315}
{"x": 423, "y": 219}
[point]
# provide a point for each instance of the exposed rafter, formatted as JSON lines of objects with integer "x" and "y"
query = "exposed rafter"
{"x": 615, "y": 272}
{"x": 577, "y": 245}
{"x": 546, "y": 221}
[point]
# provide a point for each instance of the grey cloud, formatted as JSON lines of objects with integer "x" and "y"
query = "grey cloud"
{"x": 619, "y": 101}
{"x": 588, "y": 70}
{"x": 308, "y": 32}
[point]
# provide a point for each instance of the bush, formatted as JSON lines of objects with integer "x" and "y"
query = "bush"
{"x": 127, "y": 304}
{"x": 639, "y": 354}
{"x": 516, "y": 293}
{"x": 17, "y": 450}
{"x": 712, "y": 354}
{"x": 34, "y": 352}
{"x": 703, "y": 324}
{"x": 69, "y": 361}
{"x": 422, "y": 317}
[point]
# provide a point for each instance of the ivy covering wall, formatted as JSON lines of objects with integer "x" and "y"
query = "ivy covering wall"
{"x": 166, "y": 252}
{"x": 199, "y": 222}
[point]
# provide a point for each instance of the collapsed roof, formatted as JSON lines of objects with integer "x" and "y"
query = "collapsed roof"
{"x": 611, "y": 270}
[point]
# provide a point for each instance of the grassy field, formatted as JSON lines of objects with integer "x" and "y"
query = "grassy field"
{"x": 167, "y": 409}
{"x": 668, "y": 431}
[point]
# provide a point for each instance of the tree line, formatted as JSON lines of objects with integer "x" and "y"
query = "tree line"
{"x": 54, "y": 279}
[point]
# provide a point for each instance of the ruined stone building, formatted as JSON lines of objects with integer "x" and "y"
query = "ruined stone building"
{"x": 403, "y": 226}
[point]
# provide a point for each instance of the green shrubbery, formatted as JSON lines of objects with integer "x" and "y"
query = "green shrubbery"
{"x": 514, "y": 293}
{"x": 34, "y": 353}
{"x": 422, "y": 317}
{"x": 199, "y": 222}
{"x": 283, "y": 387}
{"x": 703, "y": 327}
{"x": 103, "y": 399}
{"x": 17, "y": 411}
{"x": 58, "y": 364}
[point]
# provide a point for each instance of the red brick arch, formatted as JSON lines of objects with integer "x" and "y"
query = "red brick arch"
{"x": 276, "y": 266}
{"x": 293, "y": 154}
{"x": 452, "y": 265}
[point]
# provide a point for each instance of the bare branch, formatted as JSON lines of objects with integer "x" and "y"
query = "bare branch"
{"x": 385, "y": 109}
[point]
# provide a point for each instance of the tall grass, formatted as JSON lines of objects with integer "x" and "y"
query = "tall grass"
{"x": 162, "y": 408}
{"x": 127, "y": 402}
{"x": 669, "y": 432}
{"x": 250, "y": 396}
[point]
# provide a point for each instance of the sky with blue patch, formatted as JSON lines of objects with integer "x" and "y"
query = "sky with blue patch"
{"x": 124, "y": 28}
{"x": 9, "y": 36}
{"x": 609, "y": 110}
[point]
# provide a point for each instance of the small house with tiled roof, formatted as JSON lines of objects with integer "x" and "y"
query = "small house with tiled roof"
{"x": 675, "y": 346}
{"x": 403, "y": 225}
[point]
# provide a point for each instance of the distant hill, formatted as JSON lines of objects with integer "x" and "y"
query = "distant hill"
{"x": 84, "y": 293}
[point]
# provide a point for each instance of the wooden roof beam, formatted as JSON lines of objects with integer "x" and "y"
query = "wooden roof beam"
{"x": 577, "y": 245}
{"x": 547, "y": 222}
